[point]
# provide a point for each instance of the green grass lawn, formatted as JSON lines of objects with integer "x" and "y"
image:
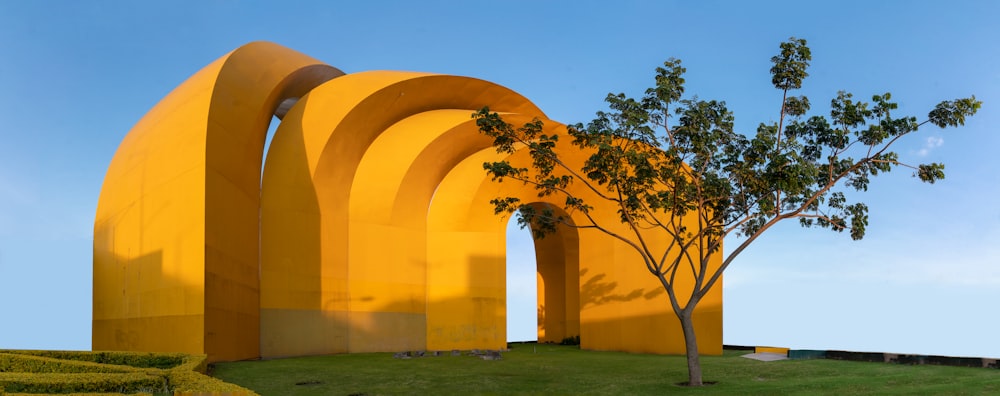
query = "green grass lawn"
{"x": 563, "y": 370}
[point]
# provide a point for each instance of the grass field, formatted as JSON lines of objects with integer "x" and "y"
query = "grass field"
{"x": 564, "y": 370}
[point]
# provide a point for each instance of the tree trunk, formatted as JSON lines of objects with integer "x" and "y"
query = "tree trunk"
{"x": 691, "y": 347}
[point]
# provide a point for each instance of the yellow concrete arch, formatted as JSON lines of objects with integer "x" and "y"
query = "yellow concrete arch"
{"x": 175, "y": 234}
{"x": 370, "y": 228}
{"x": 466, "y": 257}
{"x": 306, "y": 198}
{"x": 620, "y": 304}
{"x": 557, "y": 258}
{"x": 407, "y": 160}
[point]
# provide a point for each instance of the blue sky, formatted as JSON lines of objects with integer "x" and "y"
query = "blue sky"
{"x": 75, "y": 77}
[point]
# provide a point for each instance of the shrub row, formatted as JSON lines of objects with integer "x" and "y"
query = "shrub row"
{"x": 84, "y": 394}
{"x": 116, "y": 372}
{"x": 47, "y": 383}
{"x": 131, "y": 359}
{"x": 192, "y": 383}
{"x": 11, "y": 363}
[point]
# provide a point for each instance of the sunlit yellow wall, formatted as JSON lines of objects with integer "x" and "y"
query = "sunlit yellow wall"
{"x": 175, "y": 235}
{"x": 373, "y": 220}
{"x": 355, "y": 163}
{"x": 558, "y": 262}
{"x": 621, "y": 305}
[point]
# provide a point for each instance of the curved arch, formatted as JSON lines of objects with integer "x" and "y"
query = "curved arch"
{"x": 307, "y": 192}
{"x": 407, "y": 160}
{"x": 466, "y": 254}
{"x": 557, "y": 258}
{"x": 370, "y": 228}
{"x": 615, "y": 312}
{"x": 177, "y": 211}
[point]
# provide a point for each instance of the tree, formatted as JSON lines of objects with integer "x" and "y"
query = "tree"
{"x": 661, "y": 158}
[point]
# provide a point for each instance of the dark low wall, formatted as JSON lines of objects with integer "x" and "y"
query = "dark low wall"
{"x": 884, "y": 357}
{"x": 897, "y": 358}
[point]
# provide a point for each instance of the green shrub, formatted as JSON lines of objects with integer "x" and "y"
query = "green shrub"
{"x": 197, "y": 363}
{"x": 132, "y": 359}
{"x": 191, "y": 382}
{"x": 109, "y": 373}
{"x": 46, "y": 383}
{"x": 86, "y": 394}
{"x": 11, "y": 363}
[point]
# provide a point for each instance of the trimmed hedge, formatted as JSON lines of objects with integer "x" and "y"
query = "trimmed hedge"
{"x": 190, "y": 382}
{"x": 109, "y": 373}
{"x": 198, "y": 363}
{"x": 11, "y": 363}
{"x": 46, "y": 383}
{"x": 131, "y": 359}
{"x": 84, "y": 394}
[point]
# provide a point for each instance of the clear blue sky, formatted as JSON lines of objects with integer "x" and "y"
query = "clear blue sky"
{"x": 75, "y": 76}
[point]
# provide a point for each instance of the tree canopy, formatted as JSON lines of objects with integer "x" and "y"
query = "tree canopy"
{"x": 664, "y": 157}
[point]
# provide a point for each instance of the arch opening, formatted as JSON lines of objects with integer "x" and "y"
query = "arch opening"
{"x": 549, "y": 268}
{"x": 523, "y": 286}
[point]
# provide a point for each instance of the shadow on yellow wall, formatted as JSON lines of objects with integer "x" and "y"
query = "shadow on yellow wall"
{"x": 369, "y": 229}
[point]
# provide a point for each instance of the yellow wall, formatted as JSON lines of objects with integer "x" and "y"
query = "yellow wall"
{"x": 175, "y": 235}
{"x": 355, "y": 163}
{"x": 373, "y": 220}
{"x": 621, "y": 306}
{"x": 558, "y": 261}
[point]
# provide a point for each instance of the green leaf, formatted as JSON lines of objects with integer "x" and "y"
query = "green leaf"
{"x": 953, "y": 112}
{"x": 790, "y": 64}
{"x": 930, "y": 173}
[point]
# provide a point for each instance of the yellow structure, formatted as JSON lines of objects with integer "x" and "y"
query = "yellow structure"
{"x": 766, "y": 349}
{"x": 369, "y": 228}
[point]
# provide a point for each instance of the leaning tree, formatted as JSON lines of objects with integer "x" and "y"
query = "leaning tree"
{"x": 663, "y": 158}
